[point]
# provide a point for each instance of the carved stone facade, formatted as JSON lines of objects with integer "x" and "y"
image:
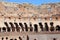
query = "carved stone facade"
{"x": 29, "y": 21}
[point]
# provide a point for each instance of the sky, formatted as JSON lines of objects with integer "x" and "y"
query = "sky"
{"x": 35, "y": 2}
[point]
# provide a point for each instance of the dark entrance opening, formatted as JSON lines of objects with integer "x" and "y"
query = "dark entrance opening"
{"x": 46, "y": 27}
{"x": 34, "y": 39}
{"x": 11, "y": 39}
{"x": 51, "y": 23}
{"x": 41, "y": 26}
{"x": 35, "y": 27}
{"x": 12, "y": 26}
{"x": 21, "y": 25}
{"x": 6, "y": 38}
{"x": 57, "y": 28}
{"x": 52, "y": 27}
{"x": 2, "y": 38}
{"x": 54, "y": 38}
{"x": 6, "y": 24}
{"x": 15, "y": 39}
{"x": 26, "y": 27}
{"x": 20, "y": 38}
{"x": 17, "y": 27}
{"x": 8, "y": 29}
{"x": 4, "y": 29}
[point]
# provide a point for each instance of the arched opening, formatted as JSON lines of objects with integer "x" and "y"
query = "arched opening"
{"x": 21, "y": 25}
{"x": 45, "y": 18}
{"x": 8, "y": 29}
{"x": 52, "y": 27}
{"x": 2, "y": 38}
{"x": 35, "y": 27}
{"x": 46, "y": 27}
{"x": 54, "y": 38}
{"x": 26, "y": 27}
{"x": 15, "y": 39}
{"x": 56, "y": 18}
{"x": 31, "y": 28}
{"x": 41, "y": 26}
{"x": 57, "y": 28}
{"x": 6, "y": 38}
{"x": 12, "y": 26}
{"x": 51, "y": 23}
{"x": 9, "y": 17}
{"x": 34, "y": 39}
{"x": 20, "y": 38}
{"x": 17, "y": 27}
{"x": 6, "y": 24}
{"x": 4, "y": 29}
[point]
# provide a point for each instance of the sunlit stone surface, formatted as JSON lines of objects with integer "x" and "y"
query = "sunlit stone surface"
{"x": 29, "y": 22}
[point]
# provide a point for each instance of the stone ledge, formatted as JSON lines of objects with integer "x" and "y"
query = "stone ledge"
{"x": 25, "y": 33}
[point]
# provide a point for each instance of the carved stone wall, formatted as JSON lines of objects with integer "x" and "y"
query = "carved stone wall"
{"x": 29, "y": 22}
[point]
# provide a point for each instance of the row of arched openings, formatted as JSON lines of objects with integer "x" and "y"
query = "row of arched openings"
{"x": 19, "y": 38}
{"x": 11, "y": 38}
{"x": 17, "y": 27}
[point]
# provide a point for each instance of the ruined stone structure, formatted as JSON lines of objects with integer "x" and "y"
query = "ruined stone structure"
{"x": 29, "y": 22}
